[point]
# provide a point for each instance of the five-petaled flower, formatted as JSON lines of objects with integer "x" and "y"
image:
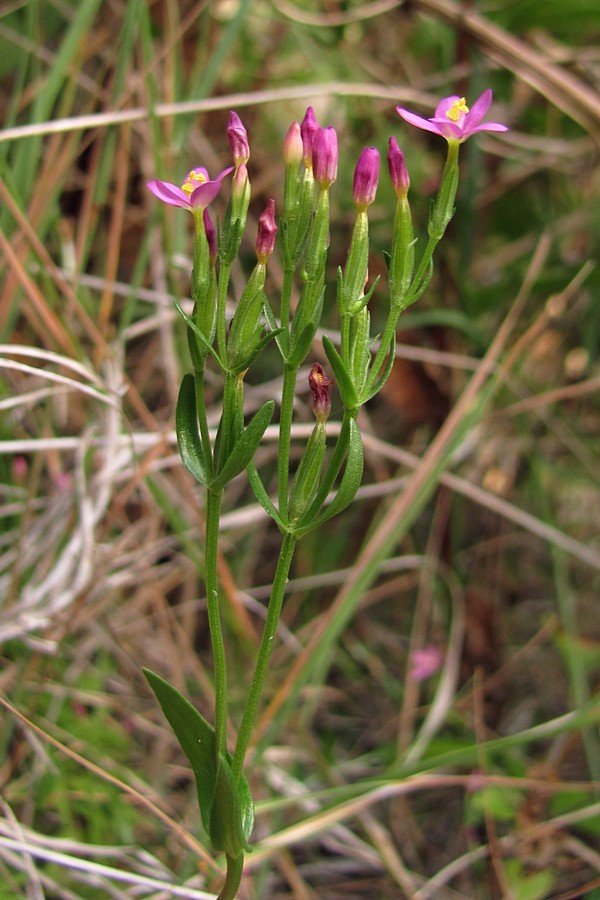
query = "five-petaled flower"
{"x": 196, "y": 192}
{"x": 454, "y": 120}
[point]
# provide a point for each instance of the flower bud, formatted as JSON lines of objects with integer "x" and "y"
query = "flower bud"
{"x": 366, "y": 178}
{"x": 292, "y": 146}
{"x": 267, "y": 229}
{"x": 398, "y": 170}
{"x": 211, "y": 236}
{"x": 240, "y": 181}
{"x": 308, "y": 129}
{"x": 325, "y": 157}
{"x": 320, "y": 388}
{"x": 238, "y": 140}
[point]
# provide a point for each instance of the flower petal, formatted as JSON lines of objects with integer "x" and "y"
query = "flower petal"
{"x": 444, "y": 105}
{"x": 169, "y": 193}
{"x": 224, "y": 173}
{"x": 419, "y": 122}
{"x": 204, "y": 194}
{"x": 478, "y": 110}
{"x": 487, "y": 126}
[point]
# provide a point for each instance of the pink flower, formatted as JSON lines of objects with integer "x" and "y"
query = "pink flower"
{"x": 196, "y": 192}
{"x": 320, "y": 389}
{"x": 454, "y": 120}
{"x": 366, "y": 177}
{"x": 238, "y": 139}
{"x": 397, "y": 167}
{"x": 267, "y": 229}
{"x": 308, "y": 128}
{"x": 425, "y": 662}
{"x": 325, "y": 156}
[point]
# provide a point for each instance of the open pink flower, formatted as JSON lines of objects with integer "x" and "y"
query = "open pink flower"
{"x": 196, "y": 192}
{"x": 425, "y": 662}
{"x": 454, "y": 120}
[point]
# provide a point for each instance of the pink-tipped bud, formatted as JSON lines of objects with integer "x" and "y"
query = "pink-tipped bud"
{"x": 211, "y": 236}
{"x": 238, "y": 140}
{"x": 308, "y": 129}
{"x": 366, "y": 178}
{"x": 267, "y": 229}
{"x": 320, "y": 388}
{"x": 293, "y": 148}
{"x": 240, "y": 182}
{"x": 398, "y": 170}
{"x": 325, "y": 156}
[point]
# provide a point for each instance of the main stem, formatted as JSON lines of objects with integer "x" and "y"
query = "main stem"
{"x": 264, "y": 653}
{"x": 213, "y": 514}
{"x": 233, "y": 878}
{"x": 285, "y": 430}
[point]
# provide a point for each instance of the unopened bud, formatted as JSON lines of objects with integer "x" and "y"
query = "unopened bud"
{"x": 320, "y": 388}
{"x": 366, "y": 178}
{"x": 308, "y": 129}
{"x": 241, "y": 183}
{"x": 211, "y": 236}
{"x": 325, "y": 157}
{"x": 267, "y": 229}
{"x": 292, "y": 146}
{"x": 398, "y": 170}
{"x": 238, "y": 140}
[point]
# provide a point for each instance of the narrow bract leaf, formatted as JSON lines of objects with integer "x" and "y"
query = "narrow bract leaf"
{"x": 344, "y": 381}
{"x": 245, "y": 447}
{"x": 302, "y": 346}
{"x": 186, "y": 427}
{"x": 349, "y": 484}
{"x": 196, "y": 737}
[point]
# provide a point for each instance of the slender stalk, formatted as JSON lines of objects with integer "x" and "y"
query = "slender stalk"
{"x": 233, "y": 878}
{"x": 284, "y": 311}
{"x": 264, "y": 653}
{"x": 213, "y": 513}
{"x": 285, "y": 428}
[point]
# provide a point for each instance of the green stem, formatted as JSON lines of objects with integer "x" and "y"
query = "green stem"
{"x": 285, "y": 429}
{"x": 224, "y": 275}
{"x": 235, "y": 866}
{"x": 284, "y": 312}
{"x": 264, "y": 653}
{"x": 213, "y": 514}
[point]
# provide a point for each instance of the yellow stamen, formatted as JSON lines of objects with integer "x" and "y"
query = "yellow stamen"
{"x": 457, "y": 109}
{"x": 193, "y": 180}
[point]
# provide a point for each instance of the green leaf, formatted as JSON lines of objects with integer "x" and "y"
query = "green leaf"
{"x": 260, "y": 492}
{"x": 186, "y": 426}
{"x": 344, "y": 381}
{"x": 373, "y": 389}
{"x": 302, "y": 345}
{"x": 202, "y": 338}
{"x": 349, "y": 484}
{"x": 245, "y": 447}
{"x": 232, "y": 814}
{"x": 196, "y": 737}
{"x": 258, "y": 347}
{"x": 306, "y": 479}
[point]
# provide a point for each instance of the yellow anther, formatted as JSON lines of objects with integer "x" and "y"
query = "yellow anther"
{"x": 193, "y": 180}
{"x": 457, "y": 109}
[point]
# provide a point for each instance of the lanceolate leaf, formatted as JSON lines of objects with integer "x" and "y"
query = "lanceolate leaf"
{"x": 346, "y": 388}
{"x": 186, "y": 426}
{"x": 349, "y": 484}
{"x": 196, "y": 737}
{"x": 245, "y": 447}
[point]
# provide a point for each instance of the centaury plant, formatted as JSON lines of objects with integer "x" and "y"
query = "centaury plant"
{"x": 326, "y": 479}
